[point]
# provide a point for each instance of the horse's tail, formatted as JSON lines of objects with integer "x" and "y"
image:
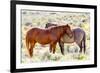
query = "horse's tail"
{"x": 27, "y": 42}
{"x": 84, "y": 42}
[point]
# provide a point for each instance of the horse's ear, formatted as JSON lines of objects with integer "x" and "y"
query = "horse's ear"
{"x": 67, "y": 25}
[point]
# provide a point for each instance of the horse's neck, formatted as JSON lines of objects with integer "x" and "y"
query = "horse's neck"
{"x": 58, "y": 31}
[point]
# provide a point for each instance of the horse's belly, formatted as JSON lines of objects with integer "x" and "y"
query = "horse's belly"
{"x": 43, "y": 41}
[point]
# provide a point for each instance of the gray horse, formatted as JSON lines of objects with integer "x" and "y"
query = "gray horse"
{"x": 79, "y": 37}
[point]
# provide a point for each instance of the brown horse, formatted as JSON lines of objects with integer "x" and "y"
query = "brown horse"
{"x": 46, "y": 36}
{"x": 79, "y": 37}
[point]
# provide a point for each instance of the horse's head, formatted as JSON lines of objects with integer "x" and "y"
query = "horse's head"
{"x": 50, "y": 24}
{"x": 68, "y": 31}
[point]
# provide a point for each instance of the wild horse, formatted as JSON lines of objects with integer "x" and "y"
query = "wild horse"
{"x": 79, "y": 37}
{"x": 46, "y": 36}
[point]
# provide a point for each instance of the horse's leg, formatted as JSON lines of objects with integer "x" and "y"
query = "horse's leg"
{"x": 80, "y": 45}
{"x": 61, "y": 44}
{"x": 84, "y": 43}
{"x": 50, "y": 48}
{"x": 31, "y": 49}
{"x": 84, "y": 47}
{"x": 53, "y": 47}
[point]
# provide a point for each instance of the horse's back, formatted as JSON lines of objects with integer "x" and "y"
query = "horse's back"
{"x": 78, "y": 30}
{"x": 38, "y": 30}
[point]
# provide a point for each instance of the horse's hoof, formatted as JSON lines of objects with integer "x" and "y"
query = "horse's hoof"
{"x": 30, "y": 56}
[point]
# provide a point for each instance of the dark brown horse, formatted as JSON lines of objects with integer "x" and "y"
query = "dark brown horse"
{"x": 79, "y": 37}
{"x": 46, "y": 36}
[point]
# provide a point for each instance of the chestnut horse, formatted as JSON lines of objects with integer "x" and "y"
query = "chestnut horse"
{"x": 46, "y": 36}
{"x": 79, "y": 37}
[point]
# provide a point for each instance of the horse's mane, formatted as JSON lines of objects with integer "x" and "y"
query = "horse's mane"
{"x": 55, "y": 27}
